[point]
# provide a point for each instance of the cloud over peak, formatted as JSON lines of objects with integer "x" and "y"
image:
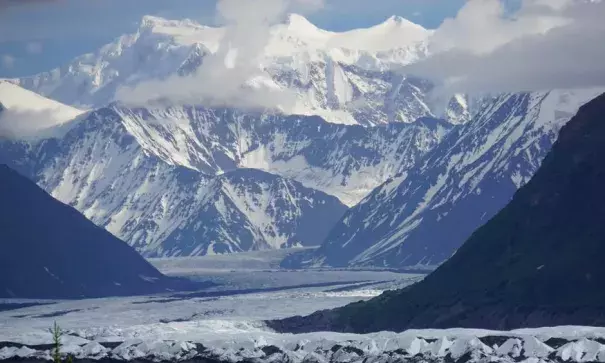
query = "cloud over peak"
{"x": 226, "y": 78}
{"x": 546, "y": 44}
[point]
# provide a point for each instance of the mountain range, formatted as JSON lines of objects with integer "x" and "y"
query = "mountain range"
{"x": 537, "y": 262}
{"x": 419, "y": 219}
{"x": 177, "y": 179}
{"x": 343, "y": 77}
{"x": 157, "y": 177}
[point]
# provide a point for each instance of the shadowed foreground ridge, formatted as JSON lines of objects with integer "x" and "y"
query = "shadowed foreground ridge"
{"x": 49, "y": 250}
{"x": 538, "y": 262}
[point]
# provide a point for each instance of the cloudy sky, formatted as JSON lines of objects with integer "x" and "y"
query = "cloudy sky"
{"x": 37, "y": 35}
{"x": 478, "y": 45}
{"x": 545, "y": 45}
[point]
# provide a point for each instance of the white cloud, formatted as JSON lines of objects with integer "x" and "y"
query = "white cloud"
{"x": 547, "y": 44}
{"x": 481, "y": 25}
{"x": 18, "y": 123}
{"x": 224, "y": 77}
{"x": 7, "y": 61}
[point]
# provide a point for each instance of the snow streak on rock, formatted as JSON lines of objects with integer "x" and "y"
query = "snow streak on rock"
{"x": 192, "y": 181}
{"x": 421, "y": 219}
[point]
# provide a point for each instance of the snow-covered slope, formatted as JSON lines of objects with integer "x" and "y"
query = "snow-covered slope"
{"x": 14, "y": 96}
{"x": 24, "y": 113}
{"x": 423, "y": 218}
{"x": 343, "y": 77}
{"x": 191, "y": 180}
{"x": 345, "y": 161}
{"x": 298, "y": 34}
{"x": 256, "y": 210}
{"x": 164, "y": 209}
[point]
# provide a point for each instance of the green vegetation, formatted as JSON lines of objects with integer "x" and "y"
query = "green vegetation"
{"x": 56, "y": 352}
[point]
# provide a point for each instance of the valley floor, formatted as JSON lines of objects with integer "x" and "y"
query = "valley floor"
{"x": 224, "y": 322}
{"x": 248, "y": 289}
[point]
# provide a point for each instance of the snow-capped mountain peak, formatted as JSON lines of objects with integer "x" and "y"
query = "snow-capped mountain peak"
{"x": 182, "y": 32}
{"x": 343, "y": 77}
{"x": 295, "y": 34}
{"x": 161, "y": 24}
{"x": 396, "y": 22}
{"x": 396, "y": 32}
{"x": 400, "y": 21}
{"x": 296, "y": 23}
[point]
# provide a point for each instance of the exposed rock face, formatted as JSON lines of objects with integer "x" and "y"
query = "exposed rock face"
{"x": 420, "y": 218}
{"x": 536, "y": 263}
{"x": 187, "y": 181}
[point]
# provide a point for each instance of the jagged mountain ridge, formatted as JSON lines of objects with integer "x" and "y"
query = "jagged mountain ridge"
{"x": 102, "y": 170}
{"x": 262, "y": 210}
{"x": 536, "y": 263}
{"x": 177, "y": 180}
{"x": 420, "y": 219}
{"x": 335, "y": 75}
{"x": 345, "y": 161}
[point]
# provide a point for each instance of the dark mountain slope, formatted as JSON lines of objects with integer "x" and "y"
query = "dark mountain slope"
{"x": 49, "y": 250}
{"x": 538, "y": 262}
{"x": 420, "y": 218}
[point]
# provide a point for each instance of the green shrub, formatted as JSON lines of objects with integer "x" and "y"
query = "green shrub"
{"x": 56, "y": 352}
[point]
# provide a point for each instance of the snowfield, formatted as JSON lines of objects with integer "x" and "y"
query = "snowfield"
{"x": 224, "y": 322}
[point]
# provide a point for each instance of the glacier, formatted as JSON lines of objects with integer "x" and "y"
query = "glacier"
{"x": 226, "y": 326}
